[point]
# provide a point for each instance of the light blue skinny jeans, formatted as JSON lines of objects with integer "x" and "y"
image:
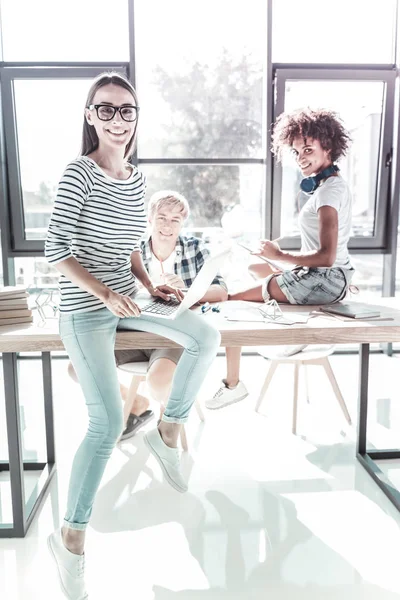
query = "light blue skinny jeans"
{"x": 89, "y": 340}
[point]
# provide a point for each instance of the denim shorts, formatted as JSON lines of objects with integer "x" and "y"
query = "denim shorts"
{"x": 143, "y": 355}
{"x": 317, "y": 285}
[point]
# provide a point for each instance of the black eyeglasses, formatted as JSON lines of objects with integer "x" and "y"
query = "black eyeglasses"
{"x": 105, "y": 112}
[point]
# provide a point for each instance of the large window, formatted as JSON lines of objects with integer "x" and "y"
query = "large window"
{"x": 207, "y": 76}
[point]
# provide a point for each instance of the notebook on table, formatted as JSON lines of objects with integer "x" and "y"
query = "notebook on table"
{"x": 351, "y": 310}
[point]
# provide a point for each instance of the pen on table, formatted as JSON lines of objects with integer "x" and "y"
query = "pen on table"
{"x": 205, "y": 307}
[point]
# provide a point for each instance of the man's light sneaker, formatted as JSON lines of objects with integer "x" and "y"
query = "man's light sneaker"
{"x": 168, "y": 459}
{"x": 71, "y": 568}
{"x": 225, "y": 395}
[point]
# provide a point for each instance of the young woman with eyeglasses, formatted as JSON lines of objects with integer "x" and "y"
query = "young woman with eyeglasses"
{"x": 93, "y": 240}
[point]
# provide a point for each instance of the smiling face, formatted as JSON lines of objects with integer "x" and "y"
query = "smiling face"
{"x": 116, "y": 133}
{"x": 166, "y": 225}
{"x": 310, "y": 156}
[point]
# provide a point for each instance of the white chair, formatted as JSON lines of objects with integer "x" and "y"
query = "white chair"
{"x": 308, "y": 356}
{"x": 138, "y": 370}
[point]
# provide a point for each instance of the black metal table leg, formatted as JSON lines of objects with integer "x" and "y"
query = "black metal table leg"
{"x": 16, "y": 465}
{"x": 48, "y": 406}
{"x": 367, "y": 457}
{"x": 23, "y": 511}
{"x": 363, "y": 399}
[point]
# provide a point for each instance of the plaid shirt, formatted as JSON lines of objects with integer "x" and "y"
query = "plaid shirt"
{"x": 190, "y": 256}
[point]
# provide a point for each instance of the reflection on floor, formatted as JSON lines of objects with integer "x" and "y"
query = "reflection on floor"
{"x": 267, "y": 515}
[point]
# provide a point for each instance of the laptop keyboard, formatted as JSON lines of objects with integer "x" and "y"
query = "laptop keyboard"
{"x": 158, "y": 306}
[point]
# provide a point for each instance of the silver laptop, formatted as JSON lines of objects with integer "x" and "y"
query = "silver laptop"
{"x": 164, "y": 309}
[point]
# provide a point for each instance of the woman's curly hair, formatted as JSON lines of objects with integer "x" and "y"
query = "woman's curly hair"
{"x": 323, "y": 125}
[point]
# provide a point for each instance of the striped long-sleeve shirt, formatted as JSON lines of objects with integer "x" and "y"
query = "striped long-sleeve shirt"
{"x": 99, "y": 221}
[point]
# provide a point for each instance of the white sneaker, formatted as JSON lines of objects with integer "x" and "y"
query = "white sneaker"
{"x": 168, "y": 459}
{"x": 225, "y": 395}
{"x": 71, "y": 568}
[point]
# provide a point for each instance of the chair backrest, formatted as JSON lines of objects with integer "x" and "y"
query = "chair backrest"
{"x": 309, "y": 353}
{"x": 135, "y": 368}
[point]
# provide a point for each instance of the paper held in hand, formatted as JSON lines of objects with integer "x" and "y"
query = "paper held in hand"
{"x": 278, "y": 266}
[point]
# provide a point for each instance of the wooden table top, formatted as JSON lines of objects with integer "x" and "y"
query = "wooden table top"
{"x": 321, "y": 329}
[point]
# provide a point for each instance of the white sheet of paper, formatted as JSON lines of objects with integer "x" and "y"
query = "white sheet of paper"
{"x": 287, "y": 318}
{"x": 245, "y": 314}
{"x": 292, "y": 319}
{"x": 257, "y": 315}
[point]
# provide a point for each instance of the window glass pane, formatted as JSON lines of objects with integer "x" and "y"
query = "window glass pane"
{"x": 360, "y": 105}
{"x": 225, "y": 203}
{"x": 49, "y": 116}
{"x": 397, "y": 292}
{"x": 1, "y": 265}
{"x": 32, "y": 413}
{"x": 5, "y": 487}
{"x": 74, "y": 31}
{"x": 344, "y": 32}
{"x": 41, "y": 279}
{"x": 221, "y": 197}
{"x": 368, "y": 275}
{"x": 201, "y": 79}
{"x": 35, "y": 273}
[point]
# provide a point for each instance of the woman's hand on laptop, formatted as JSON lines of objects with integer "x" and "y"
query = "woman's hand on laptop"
{"x": 174, "y": 280}
{"x": 165, "y": 291}
{"x": 121, "y": 305}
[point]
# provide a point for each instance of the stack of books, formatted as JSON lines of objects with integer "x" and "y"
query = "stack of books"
{"x": 14, "y": 305}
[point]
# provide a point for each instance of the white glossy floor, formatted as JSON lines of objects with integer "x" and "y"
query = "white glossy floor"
{"x": 267, "y": 515}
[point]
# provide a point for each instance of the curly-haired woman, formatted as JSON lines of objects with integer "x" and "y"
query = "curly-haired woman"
{"x": 322, "y": 269}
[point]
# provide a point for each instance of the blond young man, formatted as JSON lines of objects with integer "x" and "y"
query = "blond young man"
{"x": 173, "y": 259}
